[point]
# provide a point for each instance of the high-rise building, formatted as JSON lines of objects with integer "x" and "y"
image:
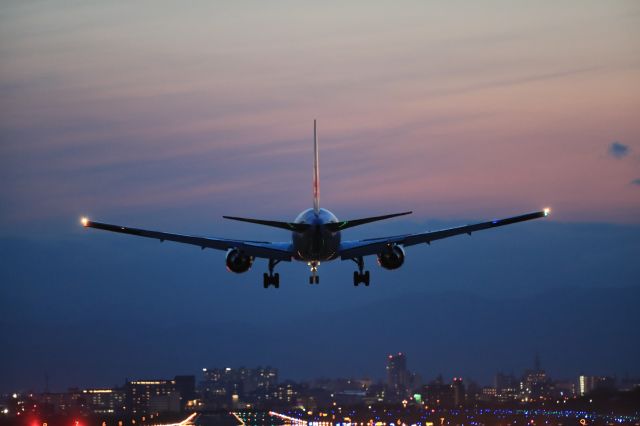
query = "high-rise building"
{"x": 186, "y": 387}
{"x": 438, "y": 394}
{"x": 587, "y": 384}
{"x": 534, "y": 384}
{"x": 398, "y": 376}
{"x": 458, "y": 391}
{"x": 227, "y": 387}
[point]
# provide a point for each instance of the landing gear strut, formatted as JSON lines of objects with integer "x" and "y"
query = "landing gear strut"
{"x": 271, "y": 279}
{"x": 314, "y": 278}
{"x": 360, "y": 276}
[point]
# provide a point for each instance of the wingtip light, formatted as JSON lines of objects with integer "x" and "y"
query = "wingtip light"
{"x": 547, "y": 211}
{"x": 84, "y": 221}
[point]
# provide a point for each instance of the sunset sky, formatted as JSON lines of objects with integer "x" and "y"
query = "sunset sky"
{"x": 167, "y": 115}
{"x": 456, "y": 110}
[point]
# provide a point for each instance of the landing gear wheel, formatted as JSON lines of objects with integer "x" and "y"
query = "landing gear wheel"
{"x": 317, "y": 279}
{"x": 361, "y": 277}
{"x": 311, "y": 279}
{"x": 270, "y": 279}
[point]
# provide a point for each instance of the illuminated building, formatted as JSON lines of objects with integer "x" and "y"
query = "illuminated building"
{"x": 165, "y": 403}
{"x": 140, "y": 393}
{"x": 286, "y": 392}
{"x": 220, "y": 385}
{"x": 105, "y": 401}
{"x": 63, "y": 402}
{"x": 241, "y": 381}
{"x": 488, "y": 394}
{"x": 398, "y": 376}
{"x": 506, "y": 387}
{"x": 534, "y": 384}
{"x": 587, "y": 384}
{"x": 457, "y": 387}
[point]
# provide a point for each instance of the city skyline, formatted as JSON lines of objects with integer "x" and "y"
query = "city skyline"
{"x": 397, "y": 376}
{"x": 257, "y": 391}
{"x": 396, "y": 373}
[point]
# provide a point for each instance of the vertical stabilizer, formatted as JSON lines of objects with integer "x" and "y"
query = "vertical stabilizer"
{"x": 316, "y": 171}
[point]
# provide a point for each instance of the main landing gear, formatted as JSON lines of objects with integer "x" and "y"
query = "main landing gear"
{"x": 271, "y": 279}
{"x": 360, "y": 276}
{"x": 314, "y": 278}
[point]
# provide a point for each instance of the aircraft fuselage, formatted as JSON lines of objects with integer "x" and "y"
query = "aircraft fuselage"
{"x": 316, "y": 243}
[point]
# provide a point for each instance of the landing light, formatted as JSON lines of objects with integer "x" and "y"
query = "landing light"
{"x": 546, "y": 211}
{"x": 84, "y": 221}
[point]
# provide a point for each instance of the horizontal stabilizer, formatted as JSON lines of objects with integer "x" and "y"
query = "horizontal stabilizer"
{"x": 290, "y": 226}
{"x": 344, "y": 224}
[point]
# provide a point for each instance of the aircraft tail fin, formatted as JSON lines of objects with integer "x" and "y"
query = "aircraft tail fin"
{"x": 344, "y": 224}
{"x": 290, "y": 226}
{"x": 316, "y": 171}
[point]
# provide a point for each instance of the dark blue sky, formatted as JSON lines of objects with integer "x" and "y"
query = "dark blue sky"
{"x": 90, "y": 308}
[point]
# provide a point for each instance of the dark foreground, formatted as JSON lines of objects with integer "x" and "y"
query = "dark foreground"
{"x": 374, "y": 416}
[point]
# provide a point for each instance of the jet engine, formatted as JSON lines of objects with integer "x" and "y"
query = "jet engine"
{"x": 238, "y": 262}
{"x": 391, "y": 257}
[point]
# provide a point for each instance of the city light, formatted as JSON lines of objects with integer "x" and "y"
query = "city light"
{"x": 186, "y": 422}
{"x": 400, "y": 399}
{"x": 293, "y": 420}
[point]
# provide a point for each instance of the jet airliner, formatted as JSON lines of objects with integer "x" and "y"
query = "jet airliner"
{"x": 316, "y": 236}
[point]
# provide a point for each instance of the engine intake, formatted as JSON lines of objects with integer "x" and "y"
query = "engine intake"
{"x": 238, "y": 262}
{"x": 392, "y": 257}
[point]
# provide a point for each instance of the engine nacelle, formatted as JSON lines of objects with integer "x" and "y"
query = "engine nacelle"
{"x": 238, "y": 262}
{"x": 392, "y": 257}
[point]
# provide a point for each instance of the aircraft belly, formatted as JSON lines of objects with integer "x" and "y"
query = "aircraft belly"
{"x": 314, "y": 246}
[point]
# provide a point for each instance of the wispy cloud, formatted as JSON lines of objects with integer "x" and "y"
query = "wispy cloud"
{"x": 619, "y": 150}
{"x": 635, "y": 182}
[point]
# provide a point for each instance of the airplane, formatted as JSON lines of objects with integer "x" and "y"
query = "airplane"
{"x": 316, "y": 236}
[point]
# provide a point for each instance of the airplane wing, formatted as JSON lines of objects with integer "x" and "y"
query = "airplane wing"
{"x": 264, "y": 249}
{"x": 353, "y": 249}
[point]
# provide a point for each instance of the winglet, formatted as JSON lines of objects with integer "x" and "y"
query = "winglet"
{"x": 316, "y": 171}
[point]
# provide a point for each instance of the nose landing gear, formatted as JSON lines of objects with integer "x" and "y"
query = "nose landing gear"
{"x": 314, "y": 278}
{"x": 360, "y": 276}
{"x": 271, "y": 279}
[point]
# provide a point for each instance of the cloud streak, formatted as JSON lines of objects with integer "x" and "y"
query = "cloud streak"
{"x": 157, "y": 107}
{"x": 619, "y": 150}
